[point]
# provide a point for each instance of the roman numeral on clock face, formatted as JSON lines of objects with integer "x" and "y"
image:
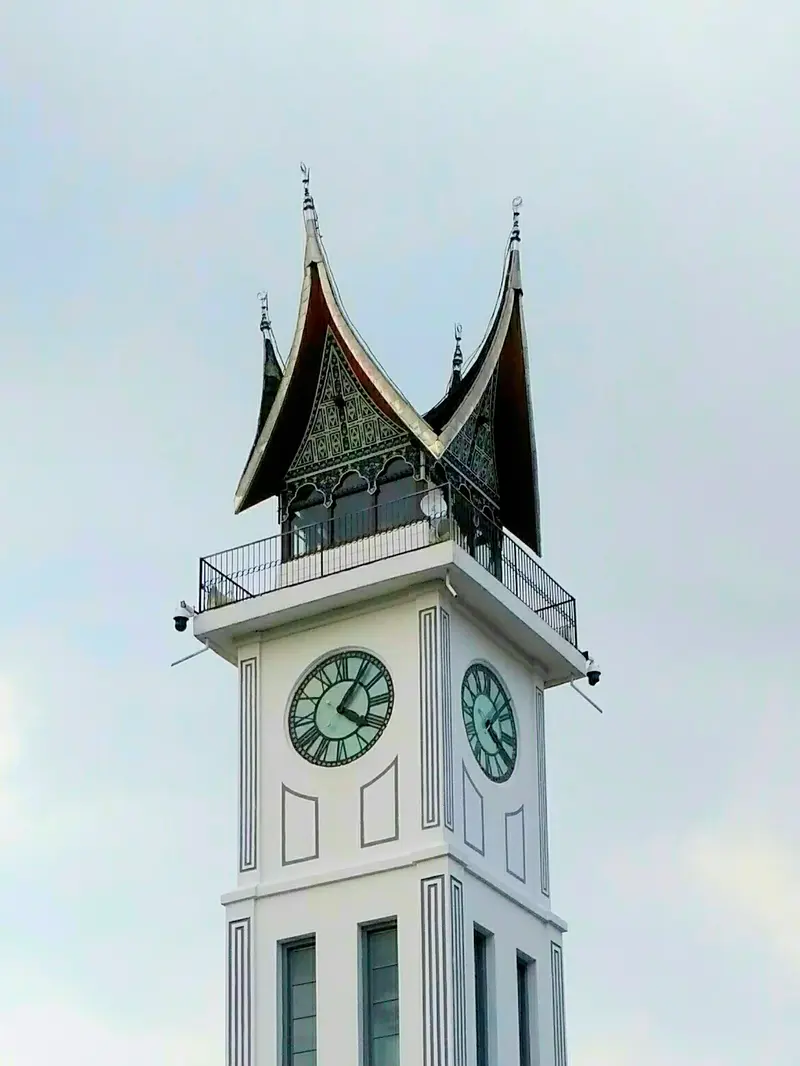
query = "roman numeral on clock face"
{"x": 312, "y": 741}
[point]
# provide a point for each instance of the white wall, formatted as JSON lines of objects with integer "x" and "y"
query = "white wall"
{"x": 512, "y": 931}
{"x": 497, "y": 803}
{"x": 334, "y": 793}
{"x": 308, "y": 863}
{"x": 334, "y": 913}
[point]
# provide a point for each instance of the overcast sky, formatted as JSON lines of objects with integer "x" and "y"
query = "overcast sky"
{"x": 150, "y": 187}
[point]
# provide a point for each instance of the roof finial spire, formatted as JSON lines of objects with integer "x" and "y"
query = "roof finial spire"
{"x": 266, "y": 325}
{"x": 308, "y": 199}
{"x": 516, "y": 204}
{"x": 458, "y": 358}
{"x": 272, "y": 368}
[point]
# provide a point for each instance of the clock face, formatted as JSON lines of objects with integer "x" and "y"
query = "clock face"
{"x": 489, "y": 722}
{"x": 340, "y": 708}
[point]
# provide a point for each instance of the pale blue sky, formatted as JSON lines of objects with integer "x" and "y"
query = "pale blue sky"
{"x": 150, "y": 187}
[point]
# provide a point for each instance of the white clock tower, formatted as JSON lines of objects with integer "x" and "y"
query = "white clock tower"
{"x": 393, "y": 643}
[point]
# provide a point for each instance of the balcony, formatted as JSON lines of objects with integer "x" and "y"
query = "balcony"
{"x": 402, "y": 526}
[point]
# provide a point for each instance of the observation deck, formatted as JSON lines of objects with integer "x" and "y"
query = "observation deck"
{"x": 430, "y": 536}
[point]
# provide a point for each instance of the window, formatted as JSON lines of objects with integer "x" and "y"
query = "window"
{"x": 397, "y": 504}
{"x": 481, "y": 942}
{"x": 300, "y": 1004}
{"x": 352, "y": 510}
{"x": 310, "y": 526}
{"x": 526, "y": 1006}
{"x": 381, "y": 997}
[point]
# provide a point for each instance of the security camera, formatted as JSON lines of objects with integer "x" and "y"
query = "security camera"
{"x": 593, "y": 673}
{"x": 183, "y": 612}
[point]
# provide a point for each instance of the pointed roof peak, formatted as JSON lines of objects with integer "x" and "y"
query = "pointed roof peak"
{"x": 311, "y": 219}
{"x": 515, "y": 272}
{"x": 266, "y": 324}
{"x": 270, "y": 348}
{"x": 516, "y": 205}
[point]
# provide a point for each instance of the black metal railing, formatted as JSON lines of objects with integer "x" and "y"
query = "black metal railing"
{"x": 349, "y": 540}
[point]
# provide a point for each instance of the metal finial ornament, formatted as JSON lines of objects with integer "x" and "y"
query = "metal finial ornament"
{"x": 458, "y": 358}
{"x": 516, "y": 204}
{"x": 266, "y": 325}
{"x": 308, "y": 199}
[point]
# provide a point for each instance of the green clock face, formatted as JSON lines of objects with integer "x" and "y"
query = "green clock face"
{"x": 340, "y": 708}
{"x": 489, "y": 722}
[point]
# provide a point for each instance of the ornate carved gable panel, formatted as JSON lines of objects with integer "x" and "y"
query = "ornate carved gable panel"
{"x": 346, "y": 430}
{"x": 472, "y": 451}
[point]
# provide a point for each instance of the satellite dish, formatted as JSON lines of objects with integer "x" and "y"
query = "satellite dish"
{"x": 433, "y": 504}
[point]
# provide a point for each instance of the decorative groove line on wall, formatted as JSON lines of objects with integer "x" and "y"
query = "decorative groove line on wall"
{"x": 541, "y": 765}
{"x": 434, "y": 979}
{"x": 238, "y": 999}
{"x": 459, "y": 972}
{"x": 559, "y": 1014}
{"x": 248, "y": 764}
{"x": 447, "y": 721}
{"x": 430, "y": 729}
{"x": 394, "y": 833}
{"x": 297, "y": 799}
{"x": 516, "y": 865}
{"x": 474, "y": 835}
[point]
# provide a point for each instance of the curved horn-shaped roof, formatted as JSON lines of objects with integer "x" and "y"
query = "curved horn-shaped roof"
{"x": 488, "y": 413}
{"x": 279, "y": 437}
{"x": 500, "y": 364}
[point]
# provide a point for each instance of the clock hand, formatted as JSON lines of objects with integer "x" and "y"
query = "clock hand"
{"x": 351, "y": 716}
{"x": 357, "y": 683}
{"x": 501, "y": 751}
{"x": 348, "y": 695}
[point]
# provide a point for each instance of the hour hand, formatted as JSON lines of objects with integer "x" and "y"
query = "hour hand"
{"x": 351, "y": 716}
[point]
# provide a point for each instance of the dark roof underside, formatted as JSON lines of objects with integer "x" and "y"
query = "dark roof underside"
{"x": 515, "y": 449}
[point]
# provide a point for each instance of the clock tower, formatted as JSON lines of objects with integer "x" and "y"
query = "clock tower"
{"x": 394, "y": 641}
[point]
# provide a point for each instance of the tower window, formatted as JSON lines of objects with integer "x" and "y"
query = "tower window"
{"x": 300, "y": 1004}
{"x": 397, "y": 504}
{"x": 310, "y": 525}
{"x": 381, "y": 997}
{"x": 353, "y": 510}
{"x": 481, "y": 949}
{"x": 526, "y": 1006}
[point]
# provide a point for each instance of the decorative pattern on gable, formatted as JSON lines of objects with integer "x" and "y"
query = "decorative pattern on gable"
{"x": 346, "y": 430}
{"x": 472, "y": 451}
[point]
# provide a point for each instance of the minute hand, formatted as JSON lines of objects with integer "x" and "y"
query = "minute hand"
{"x": 501, "y": 751}
{"x": 347, "y": 696}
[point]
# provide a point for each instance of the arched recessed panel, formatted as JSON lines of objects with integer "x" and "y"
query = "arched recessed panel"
{"x": 474, "y": 835}
{"x": 515, "y": 843}
{"x": 380, "y": 813}
{"x": 299, "y": 827}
